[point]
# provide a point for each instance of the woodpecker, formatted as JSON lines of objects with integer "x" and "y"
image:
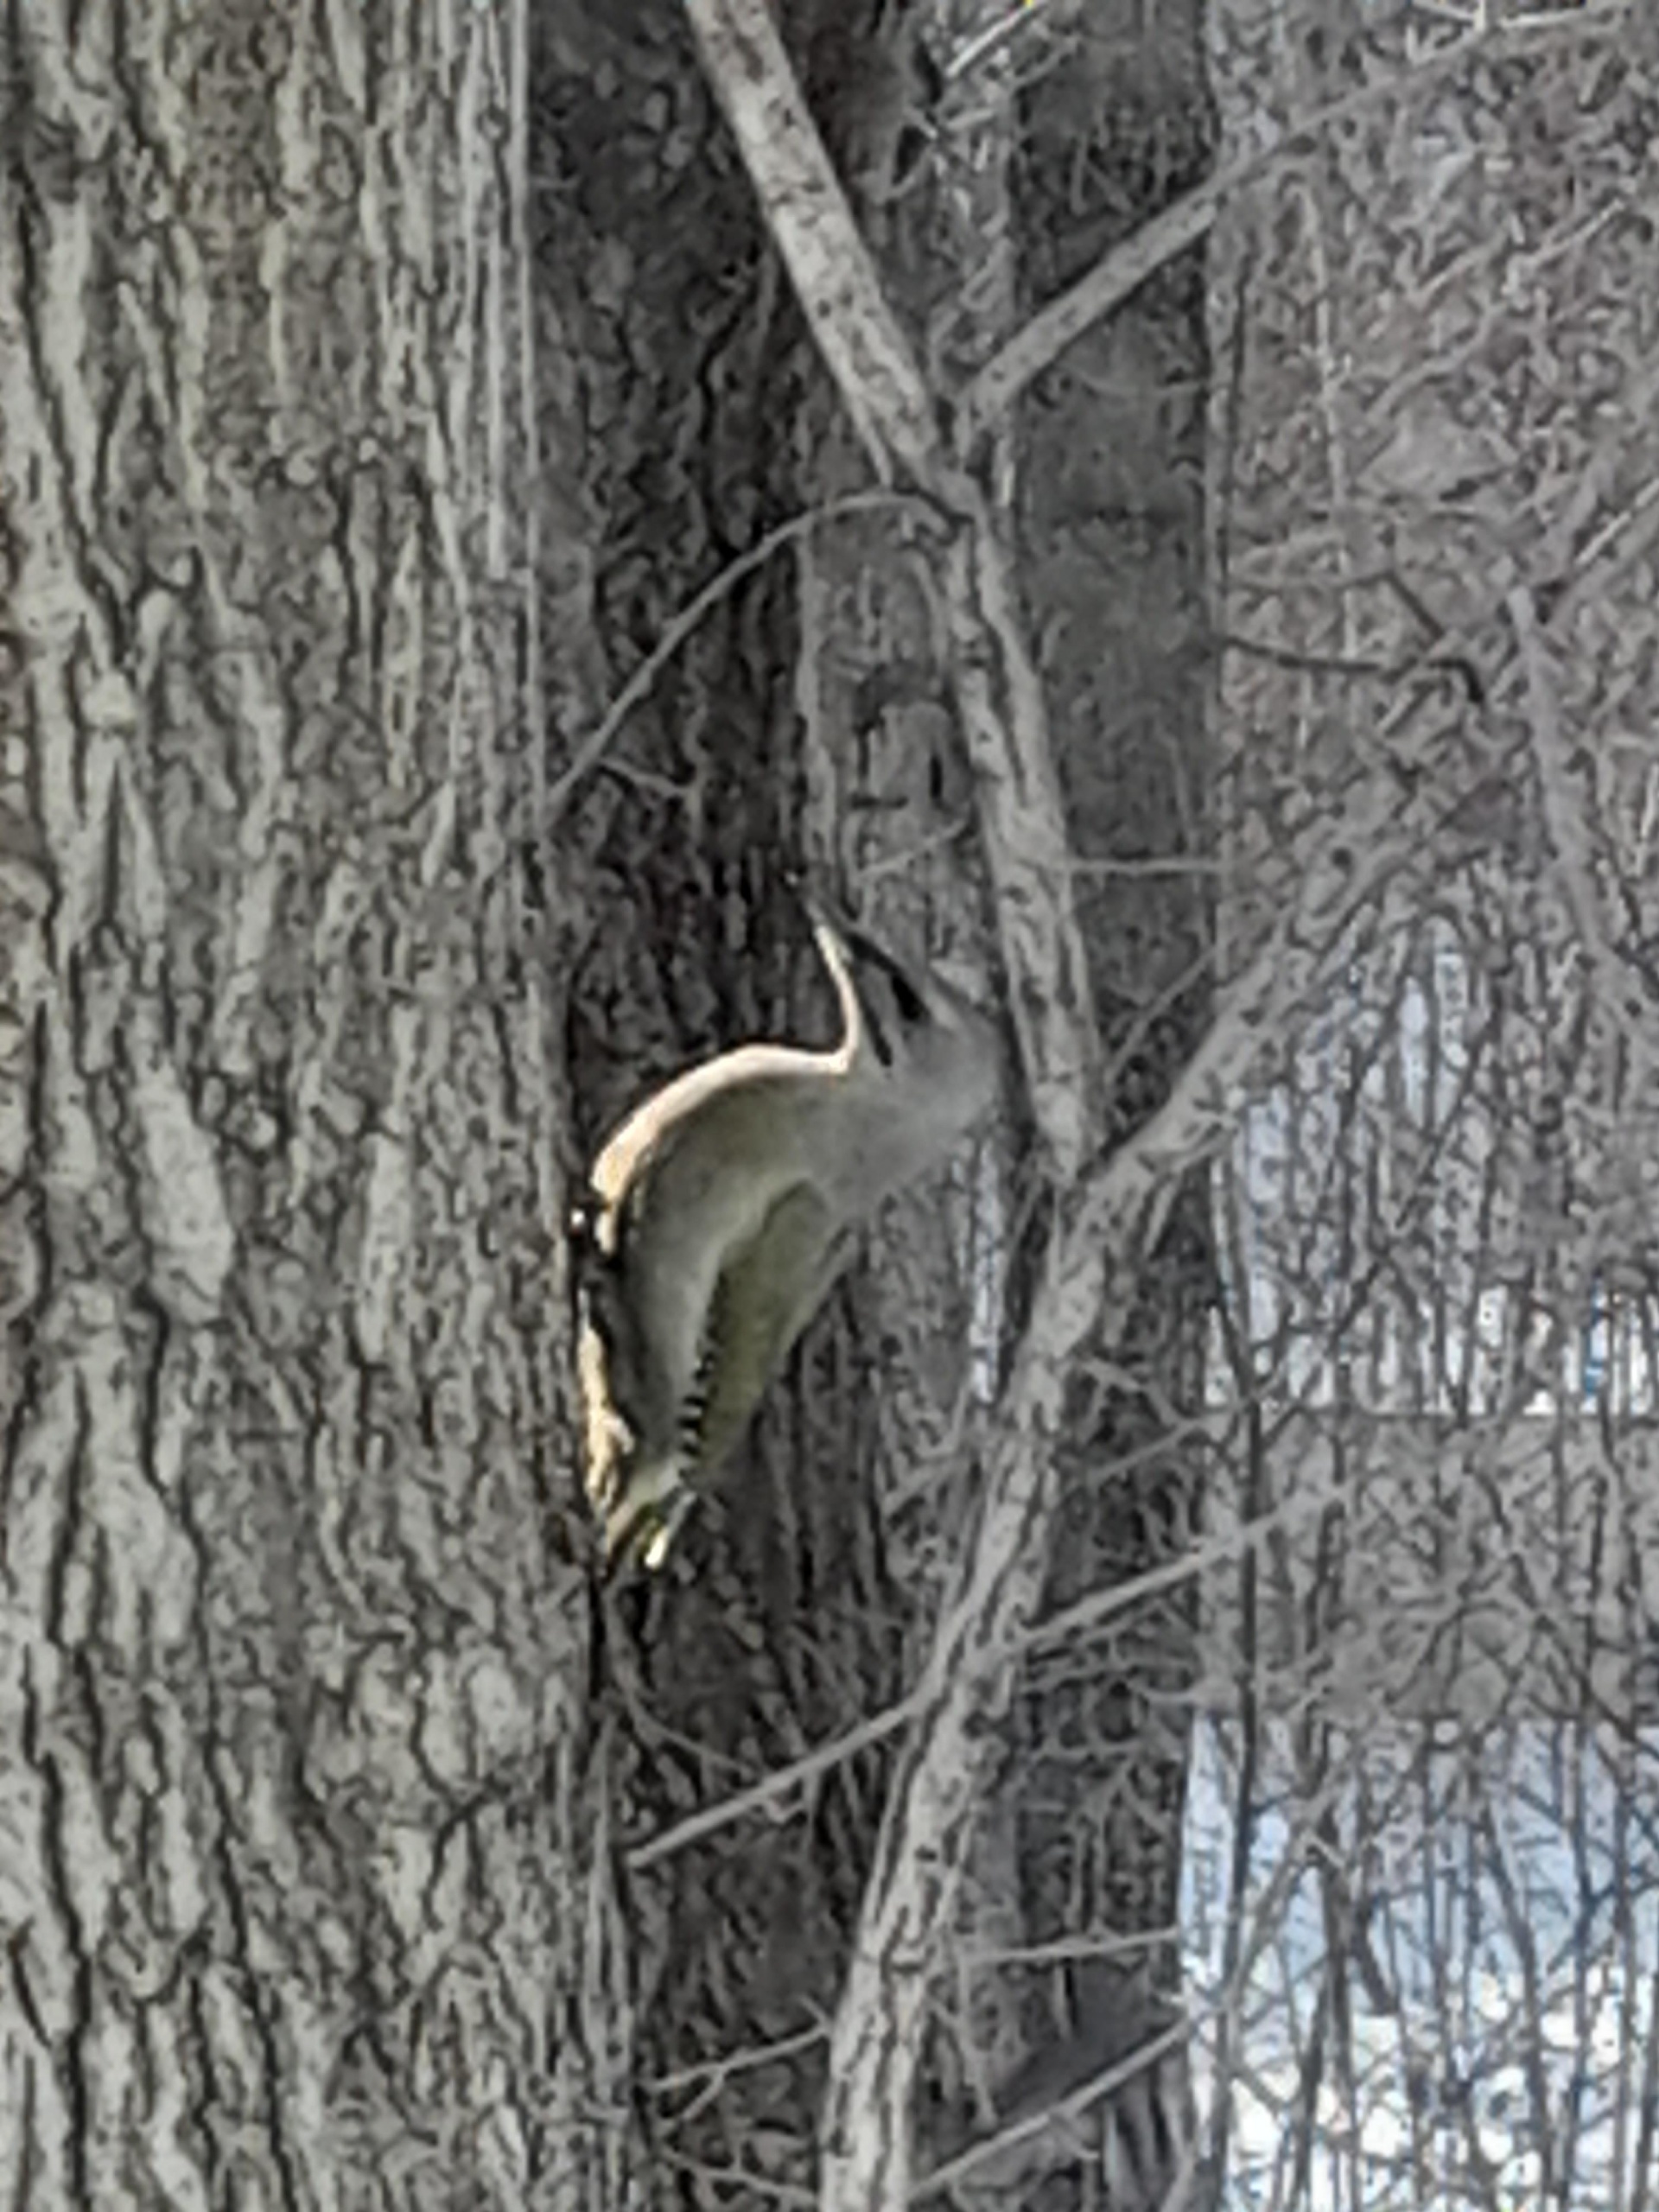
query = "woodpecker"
{"x": 722, "y": 1210}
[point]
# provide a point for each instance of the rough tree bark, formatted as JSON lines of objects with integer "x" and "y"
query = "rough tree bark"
{"x": 293, "y": 1633}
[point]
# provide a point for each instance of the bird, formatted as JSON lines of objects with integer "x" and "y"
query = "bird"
{"x": 719, "y": 1214}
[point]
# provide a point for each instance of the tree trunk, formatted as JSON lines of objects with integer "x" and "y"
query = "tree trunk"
{"x": 295, "y": 1618}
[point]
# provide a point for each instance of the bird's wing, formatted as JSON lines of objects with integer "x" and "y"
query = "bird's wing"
{"x": 767, "y": 1291}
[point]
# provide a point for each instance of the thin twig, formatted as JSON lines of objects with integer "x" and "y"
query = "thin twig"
{"x": 702, "y": 603}
{"x": 1122, "y": 269}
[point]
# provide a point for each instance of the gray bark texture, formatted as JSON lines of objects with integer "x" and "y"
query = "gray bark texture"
{"x": 293, "y": 1641}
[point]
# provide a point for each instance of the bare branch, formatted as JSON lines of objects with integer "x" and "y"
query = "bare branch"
{"x": 1620, "y": 991}
{"x": 998, "y": 691}
{"x": 1122, "y": 269}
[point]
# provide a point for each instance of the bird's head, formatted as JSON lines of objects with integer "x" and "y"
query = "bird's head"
{"x": 919, "y": 1053}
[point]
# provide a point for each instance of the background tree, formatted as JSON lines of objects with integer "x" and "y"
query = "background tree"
{"x": 1435, "y": 1351}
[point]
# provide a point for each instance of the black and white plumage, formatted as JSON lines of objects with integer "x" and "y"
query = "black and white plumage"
{"x": 722, "y": 1210}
